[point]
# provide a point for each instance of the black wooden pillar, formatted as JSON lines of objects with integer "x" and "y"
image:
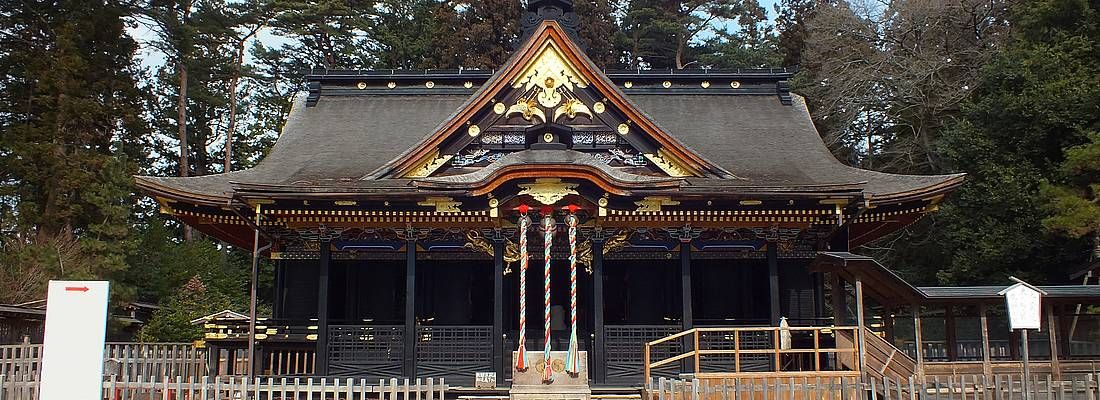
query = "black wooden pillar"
{"x": 951, "y": 331}
{"x": 279, "y": 295}
{"x": 410, "y": 309}
{"x": 819, "y": 296}
{"x": 321, "y": 366}
{"x": 686, "y": 320}
{"x": 773, "y": 281}
{"x": 498, "y": 308}
{"x": 599, "y": 351}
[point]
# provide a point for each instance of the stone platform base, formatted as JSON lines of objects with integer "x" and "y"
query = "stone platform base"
{"x": 529, "y": 385}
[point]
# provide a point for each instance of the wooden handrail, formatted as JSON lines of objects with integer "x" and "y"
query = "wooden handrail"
{"x": 776, "y": 349}
{"x": 673, "y": 337}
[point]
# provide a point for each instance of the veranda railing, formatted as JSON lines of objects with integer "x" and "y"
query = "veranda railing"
{"x": 774, "y": 350}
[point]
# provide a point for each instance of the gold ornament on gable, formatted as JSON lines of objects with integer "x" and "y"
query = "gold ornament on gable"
{"x": 548, "y": 191}
{"x": 547, "y": 74}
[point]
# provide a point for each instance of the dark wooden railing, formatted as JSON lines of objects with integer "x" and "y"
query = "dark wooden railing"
{"x": 454, "y": 352}
{"x": 373, "y": 351}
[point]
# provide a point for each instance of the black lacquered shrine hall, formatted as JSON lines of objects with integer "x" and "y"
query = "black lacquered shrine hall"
{"x": 393, "y": 200}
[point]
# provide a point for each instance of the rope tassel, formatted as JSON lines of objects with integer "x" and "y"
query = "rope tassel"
{"x": 548, "y": 237}
{"x": 521, "y": 356}
{"x": 572, "y": 363}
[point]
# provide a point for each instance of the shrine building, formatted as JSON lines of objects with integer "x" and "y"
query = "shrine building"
{"x": 433, "y": 223}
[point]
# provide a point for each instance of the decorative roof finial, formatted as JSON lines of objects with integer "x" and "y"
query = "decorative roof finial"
{"x": 556, "y": 10}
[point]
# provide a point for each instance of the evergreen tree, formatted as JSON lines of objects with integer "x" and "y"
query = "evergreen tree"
{"x": 487, "y": 32}
{"x": 172, "y": 322}
{"x": 71, "y": 134}
{"x": 665, "y": 34}
{"x": 1033, "y": 120}
{"x": 597, "y": 30}
{"x": 790, "y": 22}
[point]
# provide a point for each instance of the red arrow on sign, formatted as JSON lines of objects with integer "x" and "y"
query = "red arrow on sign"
{"x": 76, "y": 289}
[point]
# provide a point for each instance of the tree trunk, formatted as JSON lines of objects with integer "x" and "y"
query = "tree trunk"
{"x": 181, "y": 122}
{"x": 680, "y": 53}
{"x": 234, "y": 81}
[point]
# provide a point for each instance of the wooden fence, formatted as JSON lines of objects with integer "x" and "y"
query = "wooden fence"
{"x": 978, "y": 387}
{"x": 21, "y": 362}
{"x": 206, "y": 388}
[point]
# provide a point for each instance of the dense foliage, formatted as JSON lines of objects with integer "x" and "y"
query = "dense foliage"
{"x": 94, "y": 91}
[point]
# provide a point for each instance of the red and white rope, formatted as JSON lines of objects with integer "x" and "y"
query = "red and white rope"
{"x": 548, "y": 238}
{"x": 572, "y": 364}
{"x": 521, "y": 357}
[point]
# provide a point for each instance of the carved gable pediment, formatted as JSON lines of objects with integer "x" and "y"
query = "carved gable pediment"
{"x": 550, "y": 97}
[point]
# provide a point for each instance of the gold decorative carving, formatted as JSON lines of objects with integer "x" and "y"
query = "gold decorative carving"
{"x": 473, "y": 130}
{"x": 628, "y": 84}
{"x": 668, "y": 164}
{"x": 500, "y": 108}
{"x": 735, "y": 84}
{"x": 429, "y": 165}
{"x": 442, "y": 204}
{"x": 615, "y": 243}
{"x": 528, "y": 109}
{"x": 429, "y": 84}
{"x": 599, "y": 107}
{"x": 548, "y": 72}
{"x": 548, "y": 137}
{"x": 705, "y": 84}
{"x": 548, "y": 190}
{"x": 361, "y": 85}
{"x": 623, "y": 129}
{"x": 477, "y": 242}
{"x": 654, "y": 203}
{"x": 570, "y": 108}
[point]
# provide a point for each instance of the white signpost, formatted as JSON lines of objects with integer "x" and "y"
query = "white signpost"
{"x": 1024, "y": 304}
{"x": 72, "y": 353}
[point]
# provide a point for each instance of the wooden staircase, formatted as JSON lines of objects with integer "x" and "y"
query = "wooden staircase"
{"x": 883, "y": 360}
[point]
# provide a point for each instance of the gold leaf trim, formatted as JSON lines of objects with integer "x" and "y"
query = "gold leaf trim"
{"x": 429, "y": 165}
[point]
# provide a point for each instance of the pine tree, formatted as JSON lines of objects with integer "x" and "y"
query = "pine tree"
{"x": 597, "y": 30}
{"x": 486, "y": 34}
